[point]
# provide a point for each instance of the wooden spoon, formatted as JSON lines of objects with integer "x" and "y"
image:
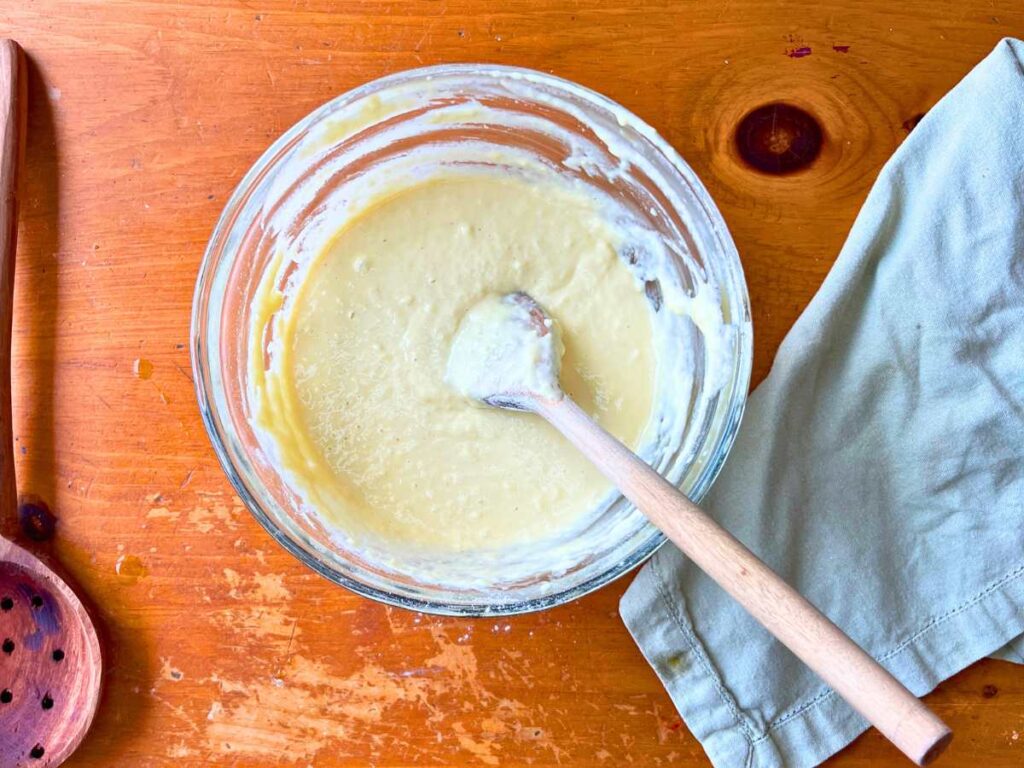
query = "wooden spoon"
{"x": 49, "y": 654}
{"x": 507, "y": 353}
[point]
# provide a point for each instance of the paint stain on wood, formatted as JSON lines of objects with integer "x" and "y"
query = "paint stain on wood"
{"x": 130, "y": 570}
{"x": 142, "y": 368}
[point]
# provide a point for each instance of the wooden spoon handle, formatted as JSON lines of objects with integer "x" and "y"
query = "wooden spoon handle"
{"x": 784, "y": 612}
{"x": 13, "y": 113}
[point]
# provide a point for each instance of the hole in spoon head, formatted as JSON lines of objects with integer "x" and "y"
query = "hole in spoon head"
{"x": 58, "y": 655}
{"x": 6, "y": 604}
{"x": 8, "y": 646}
{"x": 47, "y": 702}
{"x": 6, "y": 697}
{"x": 37, "y": 752}
{"x": 37, "y": 601}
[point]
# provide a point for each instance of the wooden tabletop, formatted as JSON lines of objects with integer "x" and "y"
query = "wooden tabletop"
{"x": 222, "y": 649}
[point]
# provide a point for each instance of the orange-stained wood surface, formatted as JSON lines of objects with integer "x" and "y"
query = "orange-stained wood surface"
{"x": 223, "y": 650}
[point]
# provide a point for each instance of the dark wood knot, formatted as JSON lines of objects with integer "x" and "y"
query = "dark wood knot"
{"x": 778, "y": 138}
{"x": 37, "y": 521}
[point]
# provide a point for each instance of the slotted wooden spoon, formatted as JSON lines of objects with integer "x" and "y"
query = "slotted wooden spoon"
{"x": 50, "y": 660}
{"x": 505, "y": 355}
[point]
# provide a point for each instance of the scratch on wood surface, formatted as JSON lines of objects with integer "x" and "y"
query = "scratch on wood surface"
{"x": 179, "y": 750}
{"x": 163, "y": 513}
{"x": 274, "y": 628}
{"x": 179, "y": 711}
{"x": 184, "y": 373}
{"x": 458, "y": 660}
{"x": 242, "y": 545}
{"x": 304, "y": 707}
{"x": 262, "y": 588}
{"x": 312, "y": 709}
{"x": 215, "y": 711}
{"x": 287, "y": 654}
{"x": 269, "y": 587}
{"x": 205, "y": 519}
{"x": 484, "y": 751}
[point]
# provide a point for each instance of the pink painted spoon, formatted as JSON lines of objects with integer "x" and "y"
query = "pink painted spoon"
{"x": 50, "y": 661}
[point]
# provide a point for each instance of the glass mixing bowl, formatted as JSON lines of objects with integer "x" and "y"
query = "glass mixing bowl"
{"x": 462, "y": 114}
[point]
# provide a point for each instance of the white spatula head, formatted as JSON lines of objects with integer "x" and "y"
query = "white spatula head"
{"x": 507, "y": 352}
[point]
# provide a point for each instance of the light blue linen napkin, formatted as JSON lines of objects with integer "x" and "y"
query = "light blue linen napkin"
{"x": 880, "y": 466}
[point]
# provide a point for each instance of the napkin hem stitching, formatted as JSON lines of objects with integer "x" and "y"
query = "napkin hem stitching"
{"x": 782, "y": 720}
{"x": 1001, "y": 581}
{"x": 932, "y": 624}
{"x": 697, "y": 648}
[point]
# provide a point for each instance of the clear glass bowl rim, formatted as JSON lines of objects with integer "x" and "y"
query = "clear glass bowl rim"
{"x": 211, "y": 419}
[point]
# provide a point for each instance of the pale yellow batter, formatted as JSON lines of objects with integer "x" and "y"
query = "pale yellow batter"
{"x": 355, "y": 400}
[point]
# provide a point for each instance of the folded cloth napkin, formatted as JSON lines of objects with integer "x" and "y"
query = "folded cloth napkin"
{"x": 880, "y": 466}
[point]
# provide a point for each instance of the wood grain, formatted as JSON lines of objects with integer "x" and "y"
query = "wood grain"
{"x": 222, "y": 649}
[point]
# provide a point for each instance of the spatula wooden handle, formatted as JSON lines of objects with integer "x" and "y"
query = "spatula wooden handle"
{"x": 13, "y": 104}
{"x": 821, "y": 645}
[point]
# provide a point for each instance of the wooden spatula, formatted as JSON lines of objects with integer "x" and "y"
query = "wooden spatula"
{"x": 50, "y": 660}
{"x": 506, "y": 354}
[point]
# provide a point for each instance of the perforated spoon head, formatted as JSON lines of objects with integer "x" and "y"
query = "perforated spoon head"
{"x": 50, "y": 663}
